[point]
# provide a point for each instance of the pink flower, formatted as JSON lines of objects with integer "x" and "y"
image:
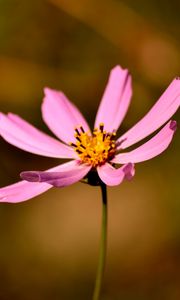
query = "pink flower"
{"x": 90, "y": 152}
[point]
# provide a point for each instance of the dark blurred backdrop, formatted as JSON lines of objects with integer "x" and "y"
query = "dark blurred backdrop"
{"x": 49, "y": 245}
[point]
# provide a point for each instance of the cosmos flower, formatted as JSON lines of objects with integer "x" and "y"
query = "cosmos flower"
{"x": 95, "y": 156}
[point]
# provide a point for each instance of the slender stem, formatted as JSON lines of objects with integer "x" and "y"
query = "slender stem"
{"x": 102, "y": 253}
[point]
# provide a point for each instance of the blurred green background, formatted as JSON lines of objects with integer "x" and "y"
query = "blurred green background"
{"x": 49, "y": 245}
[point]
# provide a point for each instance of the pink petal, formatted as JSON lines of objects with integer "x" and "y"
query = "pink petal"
{"x": 116, "y": 100}
{"x": 151, "y": 148}
{"x": 112, "y": 176}
{"x": 61, "y": 116}
{"x": 160, "y": 113}
{"x": 21, "y": 134}
{"x": 23, "y": 190}
{"x": 67, "y": 174}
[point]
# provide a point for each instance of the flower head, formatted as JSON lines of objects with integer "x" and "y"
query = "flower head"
{"x": 95, "y": 156}
{"x": 95, "y": 149}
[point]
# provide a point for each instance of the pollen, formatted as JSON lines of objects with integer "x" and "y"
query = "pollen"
{"x": 94, "y": 149}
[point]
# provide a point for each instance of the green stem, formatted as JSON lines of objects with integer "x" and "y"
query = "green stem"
{"x": 102, "y": 254}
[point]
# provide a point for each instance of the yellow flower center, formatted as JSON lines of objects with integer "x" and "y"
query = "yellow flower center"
{"x": 96, "y": 149}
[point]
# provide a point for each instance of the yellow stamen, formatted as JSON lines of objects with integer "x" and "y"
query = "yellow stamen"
{"x": 96, "y": 149}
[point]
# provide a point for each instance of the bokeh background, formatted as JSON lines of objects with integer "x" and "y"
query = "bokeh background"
{"x": 49, "y": 245}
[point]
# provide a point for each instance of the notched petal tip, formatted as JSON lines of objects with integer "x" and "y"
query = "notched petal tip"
{"x": 118, "y": 68}
{"x": 48, "y": 92}
{"x": 117, "y": 72}
{"x": 31, "y": 176}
